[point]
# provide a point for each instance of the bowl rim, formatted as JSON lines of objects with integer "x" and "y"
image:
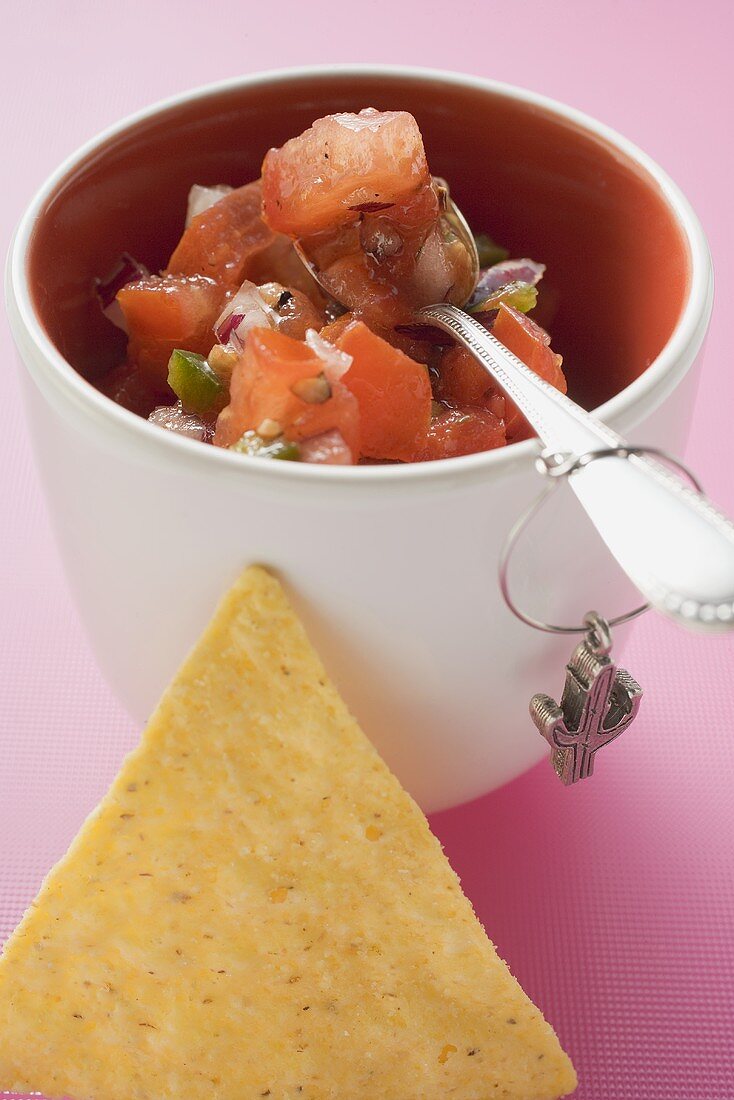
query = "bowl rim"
{"x": 651, "y": 387}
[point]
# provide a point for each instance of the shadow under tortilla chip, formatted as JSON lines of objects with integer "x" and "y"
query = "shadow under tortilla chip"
{"x": 257, "y": 908}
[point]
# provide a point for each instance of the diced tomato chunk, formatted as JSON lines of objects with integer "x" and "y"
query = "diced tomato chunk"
{"x": 349, "y": 282}
{"x": 297, "y": 314}
{"x": 380, "y": 322}
{"x": 531, "y": 343}
{"x": 393, "y": 392}
{"x": 463, "y": 381}
{"x": 335, "y": 328}
{"x": 226, "y": 240}
{"x": 164, "y": 312}
{"x": 342, "y": 165}
{"x": 462, "y": 431}
{"x": 280, "y": 263}
{"x": 266, "y": 385}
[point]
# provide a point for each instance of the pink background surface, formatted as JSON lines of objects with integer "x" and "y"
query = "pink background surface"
{"x": 614, "y": 902}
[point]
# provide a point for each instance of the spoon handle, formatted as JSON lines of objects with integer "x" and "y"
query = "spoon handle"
{"x": 676, "y": 547}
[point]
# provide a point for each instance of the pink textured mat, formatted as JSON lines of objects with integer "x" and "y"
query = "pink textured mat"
{"x": 614, "y": 902}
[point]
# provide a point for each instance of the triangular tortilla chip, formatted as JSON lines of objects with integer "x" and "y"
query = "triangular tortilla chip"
{"x": 257, "y": 908}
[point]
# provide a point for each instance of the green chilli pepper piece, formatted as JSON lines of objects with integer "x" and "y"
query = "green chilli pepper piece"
{"x": 520, "y": 296}
{"x": 253, "y": 444}
{"x": 196, "y": 385}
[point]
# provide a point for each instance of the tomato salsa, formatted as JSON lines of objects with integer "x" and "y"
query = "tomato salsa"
{"x": 284, "y": 324}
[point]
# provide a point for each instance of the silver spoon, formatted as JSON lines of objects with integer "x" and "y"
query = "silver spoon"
{"x": 676, "y": 547}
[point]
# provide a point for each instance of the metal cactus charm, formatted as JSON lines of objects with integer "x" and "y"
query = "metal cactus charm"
{"x": 599, "y": 701}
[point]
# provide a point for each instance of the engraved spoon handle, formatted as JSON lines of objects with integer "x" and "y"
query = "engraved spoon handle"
{"x": 676, "y": 547}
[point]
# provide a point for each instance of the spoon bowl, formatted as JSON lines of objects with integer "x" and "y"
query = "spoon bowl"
{"x": 456, "y": 234}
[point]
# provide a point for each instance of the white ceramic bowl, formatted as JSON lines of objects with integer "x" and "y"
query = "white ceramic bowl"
{"x": 393, "y": 568}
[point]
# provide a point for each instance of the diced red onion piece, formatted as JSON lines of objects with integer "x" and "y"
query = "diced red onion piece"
{"x": 336, "y": 363}
{"x": 227, "y": 327}
{"x": 493, "y": 278}
{"x": 174, "y": 419}
{"x": 126, "y": 270}
{"x": 201, "y": 198}
{"x": 247, "y": 310}
{"x": 328, "y": 448}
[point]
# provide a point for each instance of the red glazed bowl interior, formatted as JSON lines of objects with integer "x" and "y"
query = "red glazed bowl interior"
{"x": 539, "y": 184}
